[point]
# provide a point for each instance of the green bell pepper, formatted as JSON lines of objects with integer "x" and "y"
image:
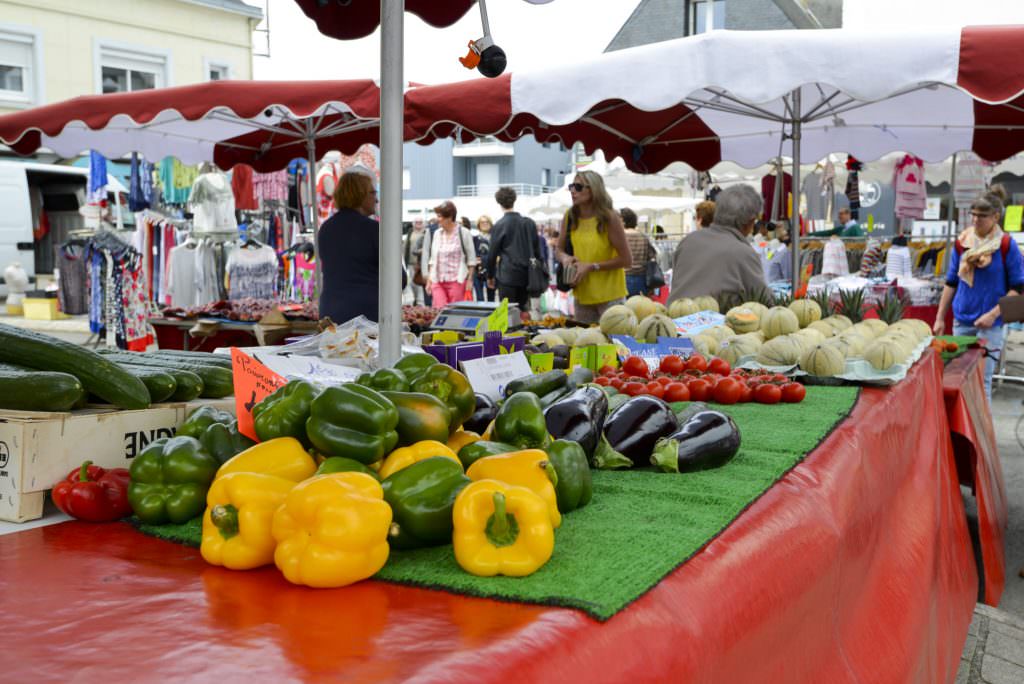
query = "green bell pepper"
{"x": 169, "y": 480}
{"x": 520, "y": 422}
{"x": 354, "y": 422}
{"x": 474, "y": 451}
{"x": 224, "y": 441}
{"x": 420, "y": 417}
{"x": 422, "y": 497}
{"x": 284, "y": 413}
{"x": 385, "y": 379}
{"x": 451, "y": 387}
{"x": 339, "y": 464}
{"x": 414, "y": 365}
{"x": 574, "y": 488}
{"x": 202, "y": 418}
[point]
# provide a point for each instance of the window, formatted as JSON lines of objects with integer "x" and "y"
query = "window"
{"x": 406, "y": 179}
{"x": 545, "y": 177}
{"x": 20, "y": 67}
{"x": 123, "y": 69}
{"x": 697, "y": 13}
{"x": 216, "y": 71}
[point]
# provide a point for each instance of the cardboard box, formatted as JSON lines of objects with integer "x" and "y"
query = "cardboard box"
{"x": 37, "y": 449}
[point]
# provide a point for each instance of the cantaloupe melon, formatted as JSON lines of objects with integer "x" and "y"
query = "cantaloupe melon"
{"x": 742, "y": 319}
{"x": 824, "y": 328}
{"x": 807, "y": 311}
{"x": 643, "y": 306}
{"x": 814, "y": 335}
{"x": 850, "y": 343}
{"x": 884, "y": 354}
{"x": 756, "y": 307}
{"x": 780, "y": 351}
{"x": 721, "y": 332}
{"x": 548, "y": 338}
{"x": 868, "y": 332}
{"x": 823, "y": 360}
{"x": 590, "y": 336}
{"x": 756, "y": 335}
{"x": 682, "y": 307}
{"x": 878, "y": 326}
{"x": 568, "y": 334}
{"x": 918, "y": 328}
{"x": 736, "y": 348}
{"x": 706, "y": 344}
{"x": 707, "y": 303}
{"x": 839, "y": 322}
{"x": 653, "y": 327}
{"x": 779, "y": 320}
{"x": 618, "y": 320}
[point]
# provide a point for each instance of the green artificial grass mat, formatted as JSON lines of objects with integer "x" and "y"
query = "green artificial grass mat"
{"x": 962, "y": 341}
{"x": 641, "y": 525}
{"x": 189, "y": 533}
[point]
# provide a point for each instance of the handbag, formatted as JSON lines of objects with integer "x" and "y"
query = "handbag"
{"x": 654, "y": 277}
{"x": 537, "y": 277}
{"x": 564, "y": 275}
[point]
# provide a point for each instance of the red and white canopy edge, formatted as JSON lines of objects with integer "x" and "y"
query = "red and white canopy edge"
{"x": 751, "y": 96}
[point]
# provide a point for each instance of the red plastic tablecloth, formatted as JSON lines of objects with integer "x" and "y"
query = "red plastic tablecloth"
{"x": 855, "y": 567}
{"x": 977, "y": 460}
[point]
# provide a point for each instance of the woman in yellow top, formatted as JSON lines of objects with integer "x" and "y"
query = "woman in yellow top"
{"x": 600, "y": 253}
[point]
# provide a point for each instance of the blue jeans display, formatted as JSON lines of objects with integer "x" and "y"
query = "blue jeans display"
{"x": 992, "y": 339}
{"x": 636, "y": 284}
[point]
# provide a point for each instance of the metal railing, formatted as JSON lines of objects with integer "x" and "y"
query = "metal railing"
{"x": 522, "y": 189}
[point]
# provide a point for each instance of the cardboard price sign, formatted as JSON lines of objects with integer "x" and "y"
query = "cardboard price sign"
{"x": 253, "y": 382}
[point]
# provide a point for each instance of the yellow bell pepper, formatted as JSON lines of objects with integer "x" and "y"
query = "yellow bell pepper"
{"x": 281, "y": 457}
{"x": 406, "y": 456}
{"x": 236, "y": 524}
{"x": 501, "y": 530}
{"x": 332, "y": 530}
{"x": 461, "y": 438}
{"x": 529, "y": 468}
{"x": 488, "y": 432}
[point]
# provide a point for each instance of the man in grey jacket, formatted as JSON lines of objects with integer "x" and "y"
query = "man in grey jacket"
{"x": 719, "y": 258}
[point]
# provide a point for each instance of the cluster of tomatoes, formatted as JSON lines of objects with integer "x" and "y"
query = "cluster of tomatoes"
{"x": 696, "y": 378}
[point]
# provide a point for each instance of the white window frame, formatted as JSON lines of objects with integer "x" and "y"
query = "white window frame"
{"x": 159, "y": 60}
{"x": 35, "y": 78}
{"x": 219, "y": 64}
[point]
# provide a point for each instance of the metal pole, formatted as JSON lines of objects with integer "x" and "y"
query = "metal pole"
{"x": 314, "y": 211}
{"x": 952, "y": 209}
{"x": 391, "y": 125}
{"x": 795, "y": 219}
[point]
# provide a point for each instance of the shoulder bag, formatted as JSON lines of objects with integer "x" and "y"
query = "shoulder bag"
{"x": 654, "y": 277}
{"x": 565, "y": 275}
{"x": 537, "y": 277}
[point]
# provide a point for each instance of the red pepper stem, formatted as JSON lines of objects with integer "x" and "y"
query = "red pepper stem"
{"x": 83, "y": 474}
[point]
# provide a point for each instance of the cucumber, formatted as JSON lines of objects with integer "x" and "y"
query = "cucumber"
{"x": 161, "y": 384}
{"x": 217, "y": 382}
{"x": 580, "y": 376}
{"x": 97, "y": 373}
{"x": 24, "y": 389}
{"x": 539, "y": 384}
{"x": 219, "y": 360}
{"x": 188, "y": 385}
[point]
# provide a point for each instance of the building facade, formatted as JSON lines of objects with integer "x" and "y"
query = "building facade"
{"x": 52, "y": 50}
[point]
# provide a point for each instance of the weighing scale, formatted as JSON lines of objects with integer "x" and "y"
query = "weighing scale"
{"x": 466, "y": 316}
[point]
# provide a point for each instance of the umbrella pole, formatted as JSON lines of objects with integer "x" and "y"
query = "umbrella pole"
{"x": 314, "y": 210}
{"x": 952, "y": 209}
{"x": 794, "y": 225}
{"x": 391, "y": 127}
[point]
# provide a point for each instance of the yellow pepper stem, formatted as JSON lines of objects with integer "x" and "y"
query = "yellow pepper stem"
{"x": 225, "y": 519}
{"x": 502, "y": 528}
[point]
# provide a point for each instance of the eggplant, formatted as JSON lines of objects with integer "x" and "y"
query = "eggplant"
{"x": 486, "y": 410}
{"x": 708, "y": 439}
{"x": 636, "y": 427}
{"x": 579, "y": 417}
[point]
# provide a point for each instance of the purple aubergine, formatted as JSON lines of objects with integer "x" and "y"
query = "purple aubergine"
{"x": 636, "y": 427}
{"x": 708, "y": 439}
{"x": 579, "y": 417}
{"x": 486, "y": 411}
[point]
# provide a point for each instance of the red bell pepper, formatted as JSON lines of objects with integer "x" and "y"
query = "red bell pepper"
{"x": 94, "y": 494}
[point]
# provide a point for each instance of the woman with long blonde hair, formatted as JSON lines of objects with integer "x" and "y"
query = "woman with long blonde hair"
{"x": 592, "y": 246}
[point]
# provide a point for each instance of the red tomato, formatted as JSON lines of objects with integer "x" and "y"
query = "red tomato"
{"x": 719, "y": 366}
{"x": 752, "y": 383}
{"x": 767, "y": 394}
{"x": 665, "y": 380}
{"x": 617, "y": 383}
{"x": 779, "y": 377}
{"x": 656, "y": 389}
{"x": 607, "y": 371}
{"x": 727, "y": 391}
{"x": 634, "y": 365}
{"x": 793, "y": 392}
{"x": 699, "y": 390}
{"x": 697, "y": 362}
{"x": 677, "y": 391}
{"x": 634, "y": 389}
{"x": 602, "y": 380}
{"x": 672, "y": 364}
{"x": 746, "y": 394}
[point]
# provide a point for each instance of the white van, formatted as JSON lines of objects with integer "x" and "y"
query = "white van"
{"x": 27, "y": 189}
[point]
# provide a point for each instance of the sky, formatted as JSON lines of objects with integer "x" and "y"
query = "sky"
{"x": 532, "y": 36}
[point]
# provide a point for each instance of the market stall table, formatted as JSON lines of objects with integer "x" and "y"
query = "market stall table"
{"x": 855, "y": 566}
{"x": 978, "y": 464}
{"x": 210, "y": 334}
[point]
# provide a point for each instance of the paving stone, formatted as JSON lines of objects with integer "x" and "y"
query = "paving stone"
{"x": 1005, "y": 647}
{"x": 998, "y": 671}
{"x": 1004, "y": 629}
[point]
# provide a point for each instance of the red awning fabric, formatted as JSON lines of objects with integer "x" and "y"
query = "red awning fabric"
{"x": 353, "y": 19}
{"x": 856, "y": 566}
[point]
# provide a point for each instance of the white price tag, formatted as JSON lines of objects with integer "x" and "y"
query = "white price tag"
{"x": 491, "y": 374}
{"x": 311, "y": 368}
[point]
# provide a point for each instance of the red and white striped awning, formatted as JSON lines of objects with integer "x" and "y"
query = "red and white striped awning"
{"x": 264, "y": 124}
{"x": 729, "y": 95}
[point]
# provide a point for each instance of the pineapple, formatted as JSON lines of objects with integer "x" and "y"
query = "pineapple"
{"x": 729, "y": 300}
{"x": 851, "y": 304}
{"x": 890, "y": 308}
{"x": 824, "y": 303}
{"x": 783, "y": 299}
{"x": 762, "y": 295}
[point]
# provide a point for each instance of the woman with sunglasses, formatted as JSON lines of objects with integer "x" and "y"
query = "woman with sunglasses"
{"x": 592, "y": 243}
{"x": 985, "y": 265}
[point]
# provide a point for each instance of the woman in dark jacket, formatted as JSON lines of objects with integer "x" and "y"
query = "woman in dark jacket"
{"x": 349, "y": 244}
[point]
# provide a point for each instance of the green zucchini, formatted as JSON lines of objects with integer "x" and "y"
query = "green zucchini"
{"x": 25, "y": 389}
{"x": 553, "y": 396}
{"x": 161, "y": 384}
{"x": 219, "y": 360}
{"x": 188, "y": 385}
{"x": 98, "y": 374}
{"x": 217, "y": 382}
{"x": 580, "y": 376}
{"x": 539, "y": 384}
